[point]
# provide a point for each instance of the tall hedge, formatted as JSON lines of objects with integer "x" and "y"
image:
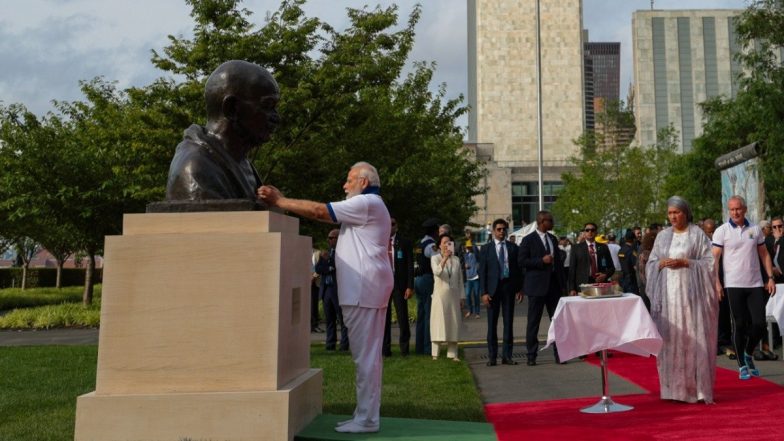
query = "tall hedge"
{"x": 45, "y": 277}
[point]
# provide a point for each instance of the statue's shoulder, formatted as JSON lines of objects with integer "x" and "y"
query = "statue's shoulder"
{"x": 194, "y": 153}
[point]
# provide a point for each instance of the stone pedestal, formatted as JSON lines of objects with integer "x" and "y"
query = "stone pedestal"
{"x": 205, "y": 331}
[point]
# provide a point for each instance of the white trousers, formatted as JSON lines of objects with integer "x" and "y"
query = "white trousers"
{"x": 451, "y": 348}
{"x": 365, "y": 338}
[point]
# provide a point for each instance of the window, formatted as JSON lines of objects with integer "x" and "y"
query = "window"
{"x": 525, "y": 200}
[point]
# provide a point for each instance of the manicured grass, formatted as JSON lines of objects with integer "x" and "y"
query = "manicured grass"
{"x": 39, "y": 386}
{"x": 62, "y": 308}
{"x": 413, "y": 387}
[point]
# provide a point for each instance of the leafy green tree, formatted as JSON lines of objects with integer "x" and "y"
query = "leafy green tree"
{"x": 341, "y": 102}
{"x": 29, "y": 205}
{"x": 122, "y": 154}
{"x": 754, "y": 115}
{"x": 616, "y": 185}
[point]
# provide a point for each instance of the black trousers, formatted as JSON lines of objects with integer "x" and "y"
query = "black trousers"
{"x": 401, "y": 310}
{"x": 747, "y": 308}
{"x": 536, "y": 307}
{"x": 314, "y": 299}
{"x": 501, "y": 302}
{"x": 334, "y": 318}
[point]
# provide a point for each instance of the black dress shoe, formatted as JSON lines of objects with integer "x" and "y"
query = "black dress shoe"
{"x": 531, "y": 362}
{"x": 508, "y": 361}
{"x": 491, "y": 363}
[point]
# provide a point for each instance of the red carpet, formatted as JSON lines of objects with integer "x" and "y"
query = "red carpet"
{"x": 744, "y": 410}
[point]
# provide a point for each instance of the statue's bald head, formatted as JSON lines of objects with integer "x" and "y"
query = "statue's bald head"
{"x": 240, "y": 79}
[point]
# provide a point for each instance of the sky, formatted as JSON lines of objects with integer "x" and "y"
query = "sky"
{"x": 48, "y": 46}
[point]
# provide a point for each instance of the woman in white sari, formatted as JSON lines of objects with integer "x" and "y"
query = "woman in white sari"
{"x": 684, "y": 306}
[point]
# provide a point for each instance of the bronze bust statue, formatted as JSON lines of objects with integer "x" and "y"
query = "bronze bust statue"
{"x": 212, "y": 162}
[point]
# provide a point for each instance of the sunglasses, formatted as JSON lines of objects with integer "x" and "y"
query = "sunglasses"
{"x": 590, "y": 230}
{"x": 777, "y": 226}
{"x": 501, "y": 229}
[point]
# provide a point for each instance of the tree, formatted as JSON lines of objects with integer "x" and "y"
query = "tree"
{"x": 616, "y": 185}
{"x": 754, "y": 115}
{"x": 122, "y": 152}
{"x": 30, "y": 177}
{"x": 341, "y": 102}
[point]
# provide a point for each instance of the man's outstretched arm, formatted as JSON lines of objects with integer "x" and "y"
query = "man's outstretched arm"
{"x": 309, "y": 209}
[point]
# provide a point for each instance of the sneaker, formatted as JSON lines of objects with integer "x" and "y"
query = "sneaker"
{"x": 744, "y": 373}
{"x": 476, "y": 315}
{"x": 749, "y": 360}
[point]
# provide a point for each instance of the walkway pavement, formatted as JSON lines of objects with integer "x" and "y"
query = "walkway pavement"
{"x": 496, "y": 384}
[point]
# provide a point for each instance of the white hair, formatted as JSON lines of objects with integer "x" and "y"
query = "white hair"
{"x": 739, "y": 199}
{"x": 368, "y": 171}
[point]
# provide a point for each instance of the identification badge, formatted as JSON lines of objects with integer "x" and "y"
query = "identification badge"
{"x": 400, "y": 254}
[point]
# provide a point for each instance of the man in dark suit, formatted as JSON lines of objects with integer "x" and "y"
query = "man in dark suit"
{"x": 402, "y": 255}
{"x": 775, "y": 245}
{"x": 590, "y": 261}
{"x": 545, "y": 279}
{"x": 500, "y": 280}
{"x": 329, "y": 295}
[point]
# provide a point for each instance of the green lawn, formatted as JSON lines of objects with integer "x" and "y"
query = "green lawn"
{"x": 39, "y": 386}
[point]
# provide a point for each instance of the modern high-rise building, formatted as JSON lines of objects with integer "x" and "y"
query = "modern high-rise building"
{"x": 681, "y": 59}
{"x": 602, "y": 77}
{"x": 606, "y": 61}
{"x": 502, "y": 96}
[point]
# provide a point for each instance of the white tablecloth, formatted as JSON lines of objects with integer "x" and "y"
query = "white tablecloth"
{"x": 775, "y": 307}
{"x": 583, "y": 326}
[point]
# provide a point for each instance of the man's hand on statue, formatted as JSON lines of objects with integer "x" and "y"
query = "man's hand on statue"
{"x": 269, "y": 195}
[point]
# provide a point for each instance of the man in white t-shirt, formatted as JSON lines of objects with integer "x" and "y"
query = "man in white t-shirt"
{"x": 743, "y": 247}
{"x": 364, "y": 274}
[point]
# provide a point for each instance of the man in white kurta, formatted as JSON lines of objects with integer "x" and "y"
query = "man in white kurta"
{"x": 364, "y": 276}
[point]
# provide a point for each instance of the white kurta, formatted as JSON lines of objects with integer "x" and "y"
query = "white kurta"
{"x": 447, "y": 292}
{"x": 365, "y": 279}
{"x": 685, "y": 309}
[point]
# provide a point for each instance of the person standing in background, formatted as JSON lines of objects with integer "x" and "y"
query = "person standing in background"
{"x": 423, "y": 285}
{"x": 499, "y": 283}
{"x": 741, "y": 246}
{"x": 326, "y": 267}
{"x": 447, "y": 299}
{"x": 402, "y": 259}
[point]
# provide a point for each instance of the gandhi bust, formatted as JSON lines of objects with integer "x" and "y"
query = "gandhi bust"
{"x": 212, "y": 162}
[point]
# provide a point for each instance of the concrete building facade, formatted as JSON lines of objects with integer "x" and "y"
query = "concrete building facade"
{"x": 681, "y": 58}
{"x": 502, "y": 95}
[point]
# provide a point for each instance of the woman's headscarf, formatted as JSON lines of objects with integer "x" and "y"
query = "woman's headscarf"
{"x": 681, "y": 204}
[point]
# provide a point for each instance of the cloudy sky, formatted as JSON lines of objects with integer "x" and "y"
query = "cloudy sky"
{"x": 47, "y": 46}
